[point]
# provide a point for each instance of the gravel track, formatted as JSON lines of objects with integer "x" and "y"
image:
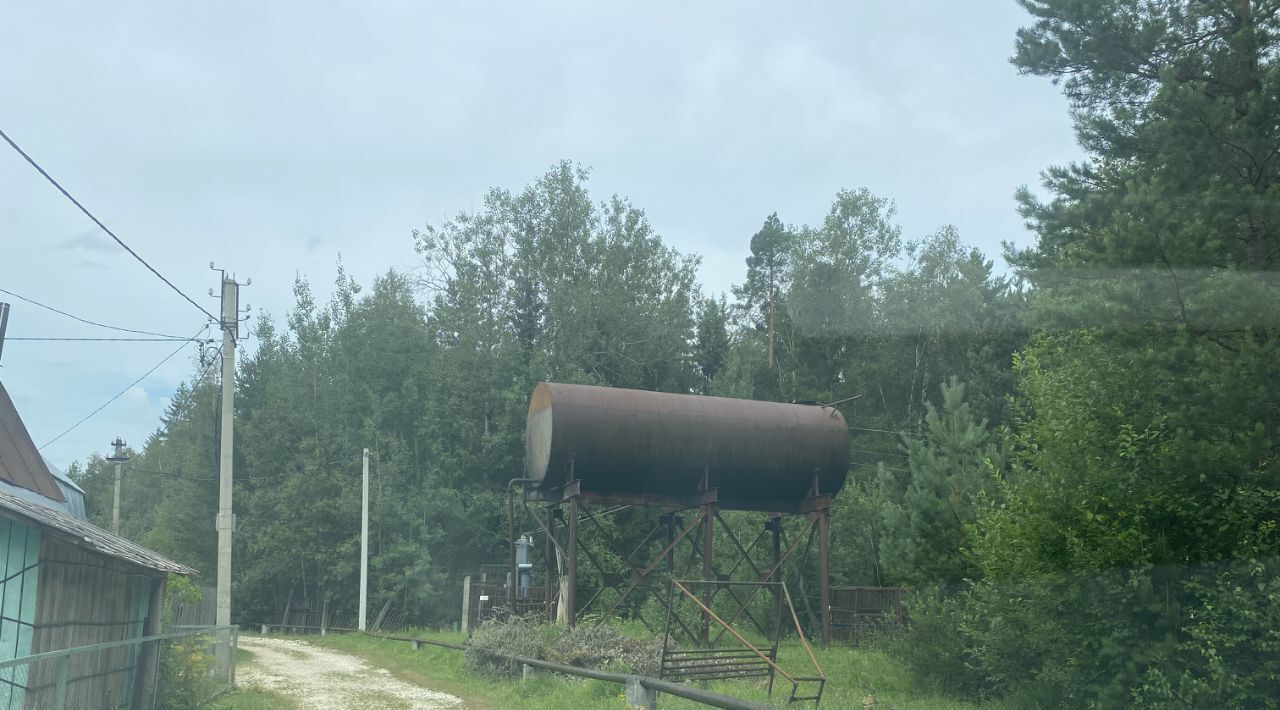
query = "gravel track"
{"x": 320, "y": 679}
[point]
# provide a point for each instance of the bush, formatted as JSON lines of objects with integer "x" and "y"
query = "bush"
{"x": 185, "y": 668}
{"x": 603, "y": 647}
{"x": 608, "y": 648}
{"x": 935, "y": 647}
{"x": 495, "y": 640}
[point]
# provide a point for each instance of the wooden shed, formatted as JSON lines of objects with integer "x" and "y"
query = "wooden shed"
{"x": 65, "y": 582}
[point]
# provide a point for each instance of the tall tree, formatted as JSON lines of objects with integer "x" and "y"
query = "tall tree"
{"x": 712, "y": 342}
{"x": 767, "y": 275}
{"x": 1147, "y": 432}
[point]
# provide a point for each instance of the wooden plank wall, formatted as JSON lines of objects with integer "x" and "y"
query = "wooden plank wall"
{"x": 19, "y": 580}
{"x": 87, "y": 598}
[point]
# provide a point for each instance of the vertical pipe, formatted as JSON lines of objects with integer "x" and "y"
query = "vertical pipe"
{"x": 512, "y": 573}
{"x": 364, "y": 542}
{"x": 824, "y": 579}
{"x": 570, "y": 593}
{"x": 548, "y": 551}
{"x": 513, "y": 578}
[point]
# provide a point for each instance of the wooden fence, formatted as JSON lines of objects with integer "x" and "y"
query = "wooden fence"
{"x": 304, "y": 616}
{"x": 857, "y": 612}
{"x": 201, "y": 612}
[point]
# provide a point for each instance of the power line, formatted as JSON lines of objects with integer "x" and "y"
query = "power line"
{"x": 102, "y": 226}
{"x": 34, "y": 302}
{"x": 106, "y": 340}
{"x": 120, "y": 394}
{"x": 179, "y": 476}
{"x": 879, "y": 453}
{"x": 878, "y": 430}
{"x": 876, "y": 465}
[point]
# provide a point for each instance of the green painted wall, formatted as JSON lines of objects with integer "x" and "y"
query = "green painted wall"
{"x": 19, "y": 552}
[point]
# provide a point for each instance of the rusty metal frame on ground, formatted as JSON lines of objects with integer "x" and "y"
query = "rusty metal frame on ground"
{"x": 709, "y": 662}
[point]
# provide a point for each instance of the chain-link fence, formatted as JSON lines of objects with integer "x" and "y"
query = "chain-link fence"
{"x": 179, "y": 669}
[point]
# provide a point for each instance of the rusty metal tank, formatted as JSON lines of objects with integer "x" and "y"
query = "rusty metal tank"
{"x": 621, "y": 441}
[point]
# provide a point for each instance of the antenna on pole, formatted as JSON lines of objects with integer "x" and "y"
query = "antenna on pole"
{"x": 4, "y": 324}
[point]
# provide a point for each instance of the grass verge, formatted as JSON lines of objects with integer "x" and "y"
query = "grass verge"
{"x": 853, "y": 675}
{"x": 253, "y": 699}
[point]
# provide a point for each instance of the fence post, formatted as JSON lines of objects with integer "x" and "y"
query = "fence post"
{"x": 466, "y": 603}
{"x": 235, "y": 644}
{"x": 640, "y": 697}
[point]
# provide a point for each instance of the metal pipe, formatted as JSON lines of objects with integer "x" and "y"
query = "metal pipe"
{"x": 511, "y": 539}
{"x": 706, "y": 697}
{"x": 698, "y": 695}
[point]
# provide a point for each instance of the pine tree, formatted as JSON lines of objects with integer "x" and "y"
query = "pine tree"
{"x": 933, "y": 503}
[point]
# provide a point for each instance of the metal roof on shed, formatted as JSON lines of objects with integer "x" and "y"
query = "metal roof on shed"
{"x": 20, "y": 461}
{"x": 88, "y": 535}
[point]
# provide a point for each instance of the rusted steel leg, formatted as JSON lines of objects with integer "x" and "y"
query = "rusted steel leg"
{"x": 571, "y": 588}
{"x": 824, "y": 578}
{"x": 774, "y": 526}
{"x": 708, "y": 566}
{"x": 669, "y": 522}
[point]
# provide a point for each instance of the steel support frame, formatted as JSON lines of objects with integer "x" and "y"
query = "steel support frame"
{"x": 816, "y": 508}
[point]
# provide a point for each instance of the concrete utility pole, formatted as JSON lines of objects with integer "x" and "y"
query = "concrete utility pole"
{"x": 364, "y": 544}
{"x": 226, "y": 520}
{"x": 118, "y": 458}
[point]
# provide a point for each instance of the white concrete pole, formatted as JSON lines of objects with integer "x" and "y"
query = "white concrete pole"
{"x": 115, "y": 504}
{"x": 226, "y": 519}
{"x": 364, "y": 544}
{"x": 118, "y": 458}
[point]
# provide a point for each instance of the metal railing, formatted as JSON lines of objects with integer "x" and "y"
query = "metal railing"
{"x": 641, "y": 690}
{"x": 174, "y": 669}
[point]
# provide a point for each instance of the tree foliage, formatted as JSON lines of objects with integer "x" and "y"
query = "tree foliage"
{"x": 1142, "y": 490}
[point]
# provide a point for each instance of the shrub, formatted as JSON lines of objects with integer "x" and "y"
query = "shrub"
{"x": 495, "y": 640}
{"x": 935, "y": 646}
{"x": 604, "y": 647}
{"x": 185, "y": 667}
{"x": 607, "y": 647}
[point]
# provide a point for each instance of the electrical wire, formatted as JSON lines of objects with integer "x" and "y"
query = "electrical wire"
{"x": 120, "y": 394}
{"x": 104, "y": 227}
{"x": 47, "y": 307}
{"x": 881, "y": 431}
{"x": 106, "y": 340}
{"x": 167, "y": 474}
{"x": 879, "y": 453}
{"x": 877, "y": 465}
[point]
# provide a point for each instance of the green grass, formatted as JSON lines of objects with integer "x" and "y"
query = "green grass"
{"x": 253, "y": 699}
{"x": 852, "y": 675}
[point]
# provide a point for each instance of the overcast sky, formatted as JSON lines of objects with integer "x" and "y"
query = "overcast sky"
{"x": 273, "y": 137}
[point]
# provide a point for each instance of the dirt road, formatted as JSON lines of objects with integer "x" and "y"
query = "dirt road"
{"x": 321, "y": 679}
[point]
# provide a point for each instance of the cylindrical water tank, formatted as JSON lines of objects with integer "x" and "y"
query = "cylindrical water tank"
{"x": 655, "y": 443}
